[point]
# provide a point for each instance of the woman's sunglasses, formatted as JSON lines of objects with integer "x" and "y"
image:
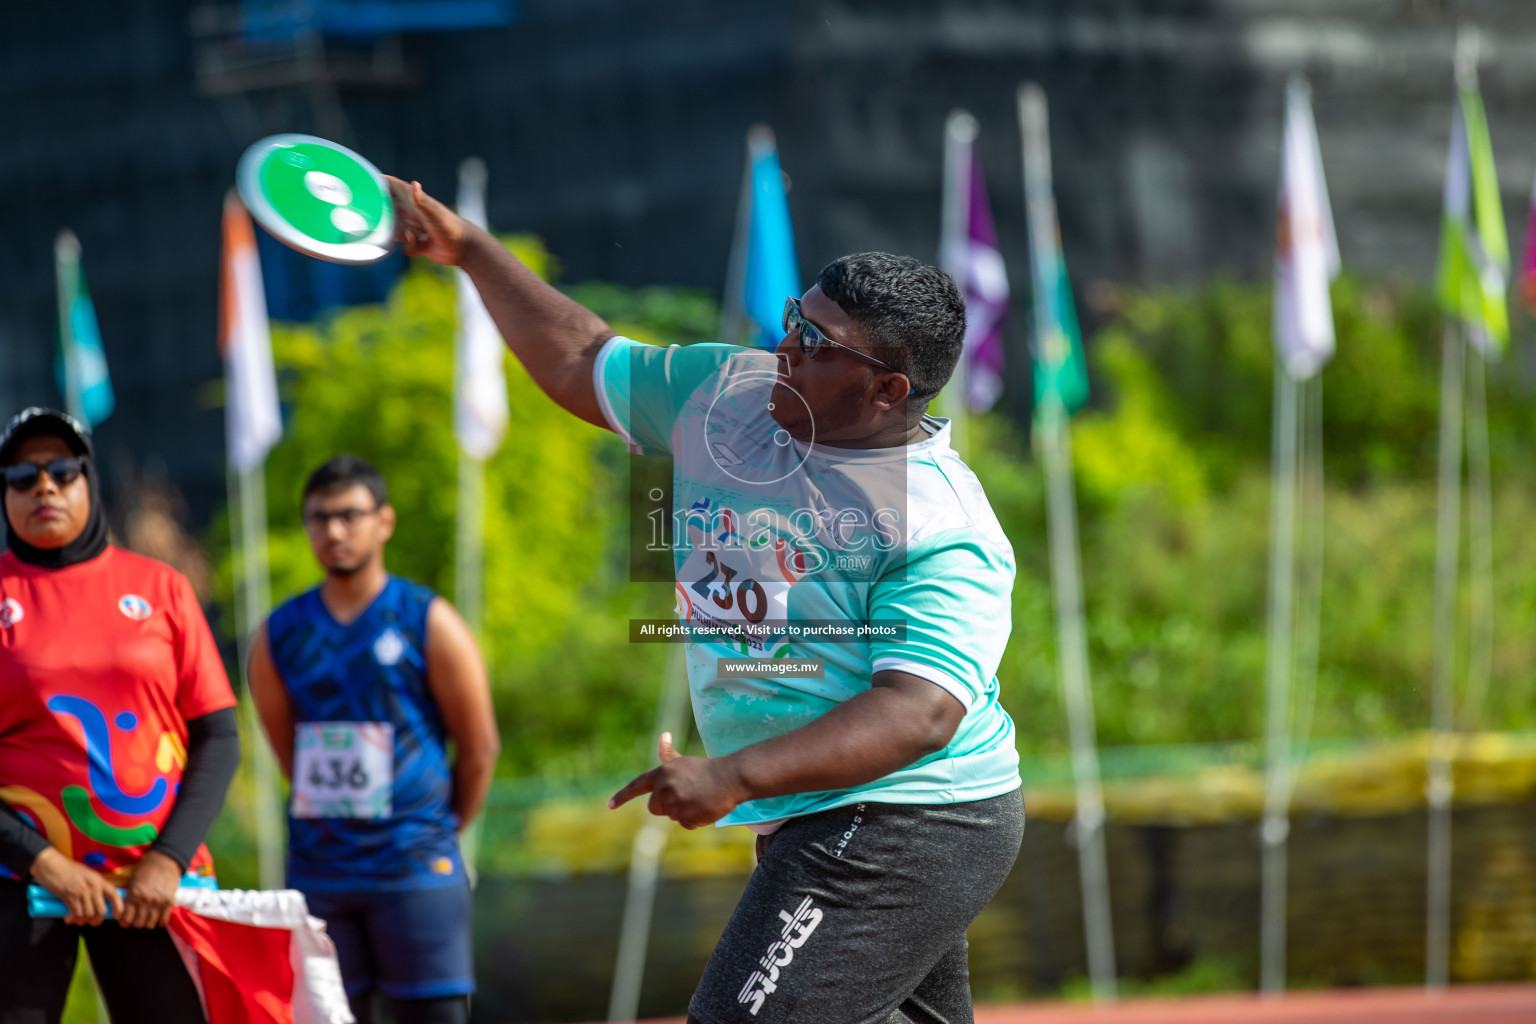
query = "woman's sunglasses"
{"x": 23, "y": 476}
{"x": 811, "y": 338}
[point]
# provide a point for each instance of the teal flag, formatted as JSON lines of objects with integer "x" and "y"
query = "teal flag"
{"x": 772, "y": 274}
{"x": 80, "y": 366}
{"x": 1060, "y": 368}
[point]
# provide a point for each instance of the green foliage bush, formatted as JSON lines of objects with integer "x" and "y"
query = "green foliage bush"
{"x": 1172, "y": 470}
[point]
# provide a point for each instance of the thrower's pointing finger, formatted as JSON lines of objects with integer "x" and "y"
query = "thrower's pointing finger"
{"x": 644, "y": 783}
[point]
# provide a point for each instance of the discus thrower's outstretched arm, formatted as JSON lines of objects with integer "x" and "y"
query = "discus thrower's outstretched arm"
{"x": 555, "y": 338}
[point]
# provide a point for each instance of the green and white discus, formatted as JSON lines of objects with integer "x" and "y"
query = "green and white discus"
{"x": 318, "y": 197}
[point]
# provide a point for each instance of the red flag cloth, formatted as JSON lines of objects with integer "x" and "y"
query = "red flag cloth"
{"x": 245, "y": 971}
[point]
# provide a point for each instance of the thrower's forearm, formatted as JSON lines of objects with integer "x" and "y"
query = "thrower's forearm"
{"x": 902, "y": 719}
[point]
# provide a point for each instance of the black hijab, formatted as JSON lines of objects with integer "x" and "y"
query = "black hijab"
{"x": 93, "y": 539}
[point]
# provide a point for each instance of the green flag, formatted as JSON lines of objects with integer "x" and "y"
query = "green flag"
{"x": 1473, "y": 275}
{"x": 1060, "y": 369}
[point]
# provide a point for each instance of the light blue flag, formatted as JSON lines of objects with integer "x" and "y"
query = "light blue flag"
{"x": 772, "y": 274}
{"x": 80, "y": 367}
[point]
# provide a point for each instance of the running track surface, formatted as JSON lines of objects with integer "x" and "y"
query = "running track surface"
{"x": 1462, "y": 1004}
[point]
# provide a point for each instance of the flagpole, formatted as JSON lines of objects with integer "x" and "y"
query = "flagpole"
{"x": 672, "y": 715}
{"x": 960, "y": 130}
{"x": 1088, "y": 826}
{"x": 468, "y": 594}
{"x": 1066, "y": 576}
{"x": 469, "y": 506}
{"x": 1440, "y": 782}
{"x": 253, "y": 425}
{"x": 1277, "y": 774}
{"x": 469, "y": 544}
{"x": 66, "y": 262}
{"x": 1480, "y": 543}
{"x": 1440, "y": 787}
{"x": 254, "y": 600}
{"x": 1306, "y": 259}
{"x": 1307, "y": 600}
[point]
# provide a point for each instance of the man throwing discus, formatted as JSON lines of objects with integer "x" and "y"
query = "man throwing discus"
{"x": 847, "y": 590}
{"x": 360, "y": 684}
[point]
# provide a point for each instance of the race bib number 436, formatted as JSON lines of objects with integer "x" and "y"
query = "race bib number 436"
{"x": 343, "y": 769}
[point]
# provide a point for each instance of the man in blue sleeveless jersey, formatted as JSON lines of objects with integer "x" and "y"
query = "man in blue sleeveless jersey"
{"x": 846, "y": 590}
{"x": 360, "y": 683}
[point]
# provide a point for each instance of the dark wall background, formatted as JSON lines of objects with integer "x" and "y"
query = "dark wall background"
{"x": 614, "y": 128}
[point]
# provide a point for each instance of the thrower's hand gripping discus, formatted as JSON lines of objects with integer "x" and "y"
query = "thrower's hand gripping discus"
{"x": 319, "y": 198}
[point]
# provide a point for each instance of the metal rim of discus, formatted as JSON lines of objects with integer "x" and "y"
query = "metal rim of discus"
{"x": 371, "y": 247}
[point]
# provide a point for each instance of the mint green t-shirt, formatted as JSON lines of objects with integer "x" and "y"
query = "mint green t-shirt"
{"x": 788, "y": 543}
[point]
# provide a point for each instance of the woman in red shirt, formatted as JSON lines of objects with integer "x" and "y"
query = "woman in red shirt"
{"x": 117, "y": 740}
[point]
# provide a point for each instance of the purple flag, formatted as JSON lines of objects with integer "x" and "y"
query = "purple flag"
{"x": 984, "y": 283}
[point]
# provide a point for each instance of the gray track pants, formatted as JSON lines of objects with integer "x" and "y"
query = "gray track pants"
{"x": 857, "y": 915}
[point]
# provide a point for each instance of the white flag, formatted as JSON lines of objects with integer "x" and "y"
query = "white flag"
{"x": 1307, "y": 250}
{"x": 480, "y": 385}
{"x": 253, "y": 420}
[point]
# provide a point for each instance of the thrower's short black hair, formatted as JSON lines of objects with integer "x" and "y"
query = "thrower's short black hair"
{"x": 911, "y": 313}
{"x": 343, "y": 471}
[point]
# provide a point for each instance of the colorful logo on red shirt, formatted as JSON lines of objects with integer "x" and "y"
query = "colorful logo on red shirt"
{"x": 135, "y": 607}
{"x": 79, "y": 802}
{"x": 10, "y": 613}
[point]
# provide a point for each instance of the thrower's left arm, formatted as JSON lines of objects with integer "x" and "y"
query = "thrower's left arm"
{"x": 900, "y": 719}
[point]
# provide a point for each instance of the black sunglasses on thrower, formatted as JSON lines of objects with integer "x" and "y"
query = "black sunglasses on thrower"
{"x": 23, "y": 476}
{"x": 812, "y": 340}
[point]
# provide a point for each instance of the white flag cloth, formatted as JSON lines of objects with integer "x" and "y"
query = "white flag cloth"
{"x": 253, "y": 420}
{"x": 258, "y": 956}
{"x": 480, "y": 385}
{"x": 1307, "y": 250}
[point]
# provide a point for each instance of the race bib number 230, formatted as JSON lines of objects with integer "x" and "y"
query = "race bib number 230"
{"x": 343, "y": 769}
